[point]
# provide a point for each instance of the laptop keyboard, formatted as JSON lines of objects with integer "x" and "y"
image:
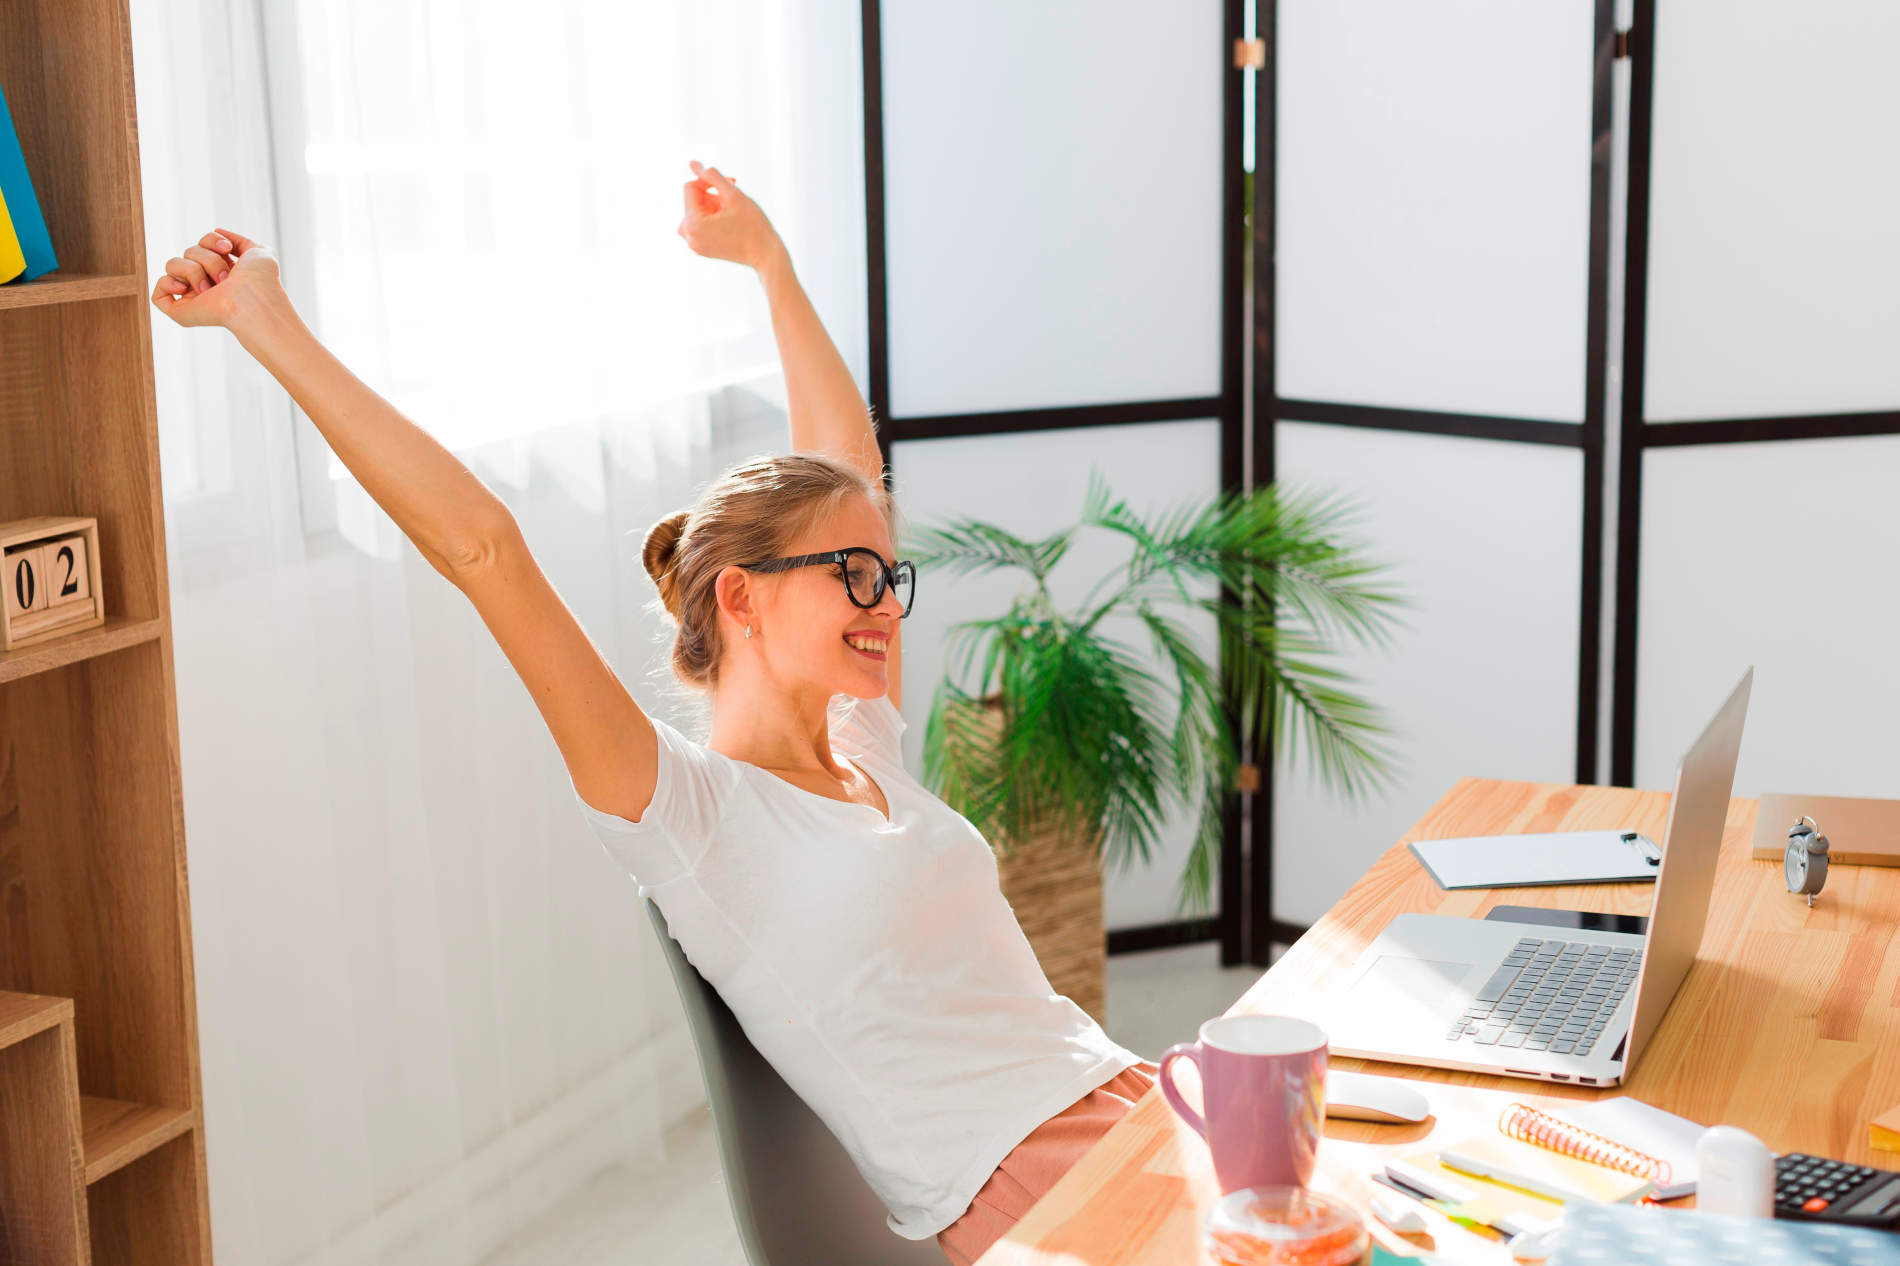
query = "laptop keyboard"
{"x": 1549, "y": 996}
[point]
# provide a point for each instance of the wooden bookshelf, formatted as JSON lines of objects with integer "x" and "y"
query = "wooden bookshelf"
{"x": 42, "y": 1178}
{"x": 116, "y": 1133}
{"x": 102, "y": 1153}
{"x": 117, "y": 633}
{"x": 63, "y": 287}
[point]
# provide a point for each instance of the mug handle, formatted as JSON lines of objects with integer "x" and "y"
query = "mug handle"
{"x": 1189, "y": 1051}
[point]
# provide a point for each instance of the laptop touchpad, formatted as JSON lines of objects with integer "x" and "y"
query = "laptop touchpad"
{"x": 1418, "y": 985}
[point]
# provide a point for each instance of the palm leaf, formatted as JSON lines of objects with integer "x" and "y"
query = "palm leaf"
{"x": 1292, "y": 697}
{"x": 964, "y": 545}
{"x": 1085, "y": 740}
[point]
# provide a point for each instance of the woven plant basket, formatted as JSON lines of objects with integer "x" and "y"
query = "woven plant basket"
{"x": 1053, "y": 881}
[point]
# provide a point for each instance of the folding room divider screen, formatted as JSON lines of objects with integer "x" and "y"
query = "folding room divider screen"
{"x": 1761, "y": 403}
{"x": 1053, "y": 196}
{"x": 1437, "y": 324}
{"x": 1431, "y": 284}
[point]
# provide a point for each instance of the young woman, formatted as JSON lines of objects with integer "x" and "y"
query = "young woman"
{"x": 851, "y": 920}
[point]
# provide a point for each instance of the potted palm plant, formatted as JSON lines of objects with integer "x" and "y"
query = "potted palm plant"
{"x": 1052, "y": 736}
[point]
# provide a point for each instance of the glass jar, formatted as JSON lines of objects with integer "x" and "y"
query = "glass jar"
{"x": 1285, "y": 1226}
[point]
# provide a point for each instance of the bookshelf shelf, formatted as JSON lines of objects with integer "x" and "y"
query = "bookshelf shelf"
{"x": 43, "y": 1213}
{"x": 113, "y": 1132}
{"x": 117, "y": 633}
{"x": 116, "y": 1133}
{"x": 60, "y": 287}
{"x": 24, "y": 1014}
{"x": 102, "y": 1154}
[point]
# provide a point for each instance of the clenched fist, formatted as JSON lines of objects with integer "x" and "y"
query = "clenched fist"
{"x": 213, "y": 280}
{"x": 722, "y": 223}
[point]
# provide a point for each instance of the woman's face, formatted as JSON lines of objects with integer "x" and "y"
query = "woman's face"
{"x": 806, "y": 623}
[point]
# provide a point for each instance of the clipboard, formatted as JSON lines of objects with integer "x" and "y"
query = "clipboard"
{"x": 1534, "y": 860}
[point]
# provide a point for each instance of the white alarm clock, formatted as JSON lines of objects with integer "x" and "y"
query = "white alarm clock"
{"x": 1804, "y": 862}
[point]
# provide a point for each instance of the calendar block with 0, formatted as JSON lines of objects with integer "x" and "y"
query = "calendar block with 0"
{"x": 49, "y": 568}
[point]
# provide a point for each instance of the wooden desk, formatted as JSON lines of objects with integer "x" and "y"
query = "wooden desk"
{"x": 1788, "y": 1025}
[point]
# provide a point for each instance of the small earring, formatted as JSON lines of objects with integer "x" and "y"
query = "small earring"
{"x": 748, "y": 630}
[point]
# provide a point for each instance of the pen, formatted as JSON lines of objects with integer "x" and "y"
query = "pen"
{"x": 1428, "y": 1186}
{"x": 1432, "y": 1190}
{"x": 1478, "y": 1169}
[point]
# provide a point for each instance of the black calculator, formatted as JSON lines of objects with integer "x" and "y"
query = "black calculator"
{"x": 1817, "y": 1189}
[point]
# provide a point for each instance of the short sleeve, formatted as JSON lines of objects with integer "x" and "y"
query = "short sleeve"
{"x": 671, "y": 836}
{"x": 872, "y": 726}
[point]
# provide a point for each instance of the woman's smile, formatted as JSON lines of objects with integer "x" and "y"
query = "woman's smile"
{"x": 869, "y": 645}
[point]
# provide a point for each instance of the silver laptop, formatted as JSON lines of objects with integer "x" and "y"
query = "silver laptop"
{"x": 1556, "y": 1004}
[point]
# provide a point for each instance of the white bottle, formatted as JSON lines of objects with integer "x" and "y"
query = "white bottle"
{"x": 1736, "y": 1173}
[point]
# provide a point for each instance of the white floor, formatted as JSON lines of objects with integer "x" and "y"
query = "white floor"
{"x": 677, "y": 1215}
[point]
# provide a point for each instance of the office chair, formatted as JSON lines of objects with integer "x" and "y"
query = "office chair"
{"x": 796, "y": 1195}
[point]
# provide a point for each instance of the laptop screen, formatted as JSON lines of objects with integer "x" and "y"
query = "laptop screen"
{"x": 1686, "y": 881}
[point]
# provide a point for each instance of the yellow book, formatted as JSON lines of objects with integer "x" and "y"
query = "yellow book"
{"x": 1500, "y": 1159}
{"x": 12, "y": 259}
{"x": 1885, "y": 1131}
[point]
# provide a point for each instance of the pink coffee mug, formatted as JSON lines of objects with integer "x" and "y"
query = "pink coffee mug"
{"x": 1263, "y": 1085}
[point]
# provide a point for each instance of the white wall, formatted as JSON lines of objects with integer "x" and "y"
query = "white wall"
{"x": 1052, "y": 199}
{"x": 1774, "y": 289}
{"x": 1774, "y": 192}
{"x": 1784, "y": 555}
{"x": 1431, "y": 238}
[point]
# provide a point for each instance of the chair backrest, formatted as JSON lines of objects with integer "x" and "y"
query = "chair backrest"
{"x": 797, "y": 1197}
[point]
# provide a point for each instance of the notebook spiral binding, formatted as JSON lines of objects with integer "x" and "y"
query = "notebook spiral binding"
{"x": 1523, "y": 1122}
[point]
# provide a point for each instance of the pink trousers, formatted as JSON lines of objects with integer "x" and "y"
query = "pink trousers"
{"x": 1034, "y": 1164}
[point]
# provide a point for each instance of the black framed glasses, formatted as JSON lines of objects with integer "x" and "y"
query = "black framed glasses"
{"x": 865, "y": 574}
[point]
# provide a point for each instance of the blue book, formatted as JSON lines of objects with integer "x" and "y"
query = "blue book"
{"x": 17, "y": 187}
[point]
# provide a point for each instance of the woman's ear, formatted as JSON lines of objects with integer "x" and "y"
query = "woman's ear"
{"x": 737, "y": 596}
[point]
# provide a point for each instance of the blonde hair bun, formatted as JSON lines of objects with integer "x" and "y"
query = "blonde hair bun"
{"x": 661, "y": 548}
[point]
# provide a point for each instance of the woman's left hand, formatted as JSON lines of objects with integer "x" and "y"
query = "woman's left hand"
{"x": 722, "y": 223}
{"x": 226, "y": 279}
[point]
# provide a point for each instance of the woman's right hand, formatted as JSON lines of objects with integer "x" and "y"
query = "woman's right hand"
{"x": 212, "y": 282}
{"x": 722, "y": 223}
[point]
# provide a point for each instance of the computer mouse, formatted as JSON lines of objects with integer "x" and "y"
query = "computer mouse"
{"x": 1359, "y": 1097}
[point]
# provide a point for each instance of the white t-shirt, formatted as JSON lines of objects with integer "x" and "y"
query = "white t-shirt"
{"x": 874, "y": 963}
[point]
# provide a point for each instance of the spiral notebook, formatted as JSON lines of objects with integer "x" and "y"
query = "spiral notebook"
{"x": 1619, "y": 1133}
{"x": 1525, "y": 1175}
{"x": 1559, "y": 1173}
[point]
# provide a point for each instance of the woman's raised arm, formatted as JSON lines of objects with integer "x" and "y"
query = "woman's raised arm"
{"x": 461, "y": 527}
{"x": 228, "y": 280}
{"x": 828, "y": 413}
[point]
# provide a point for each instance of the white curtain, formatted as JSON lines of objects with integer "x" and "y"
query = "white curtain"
{"x": 429, "y": 1005}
